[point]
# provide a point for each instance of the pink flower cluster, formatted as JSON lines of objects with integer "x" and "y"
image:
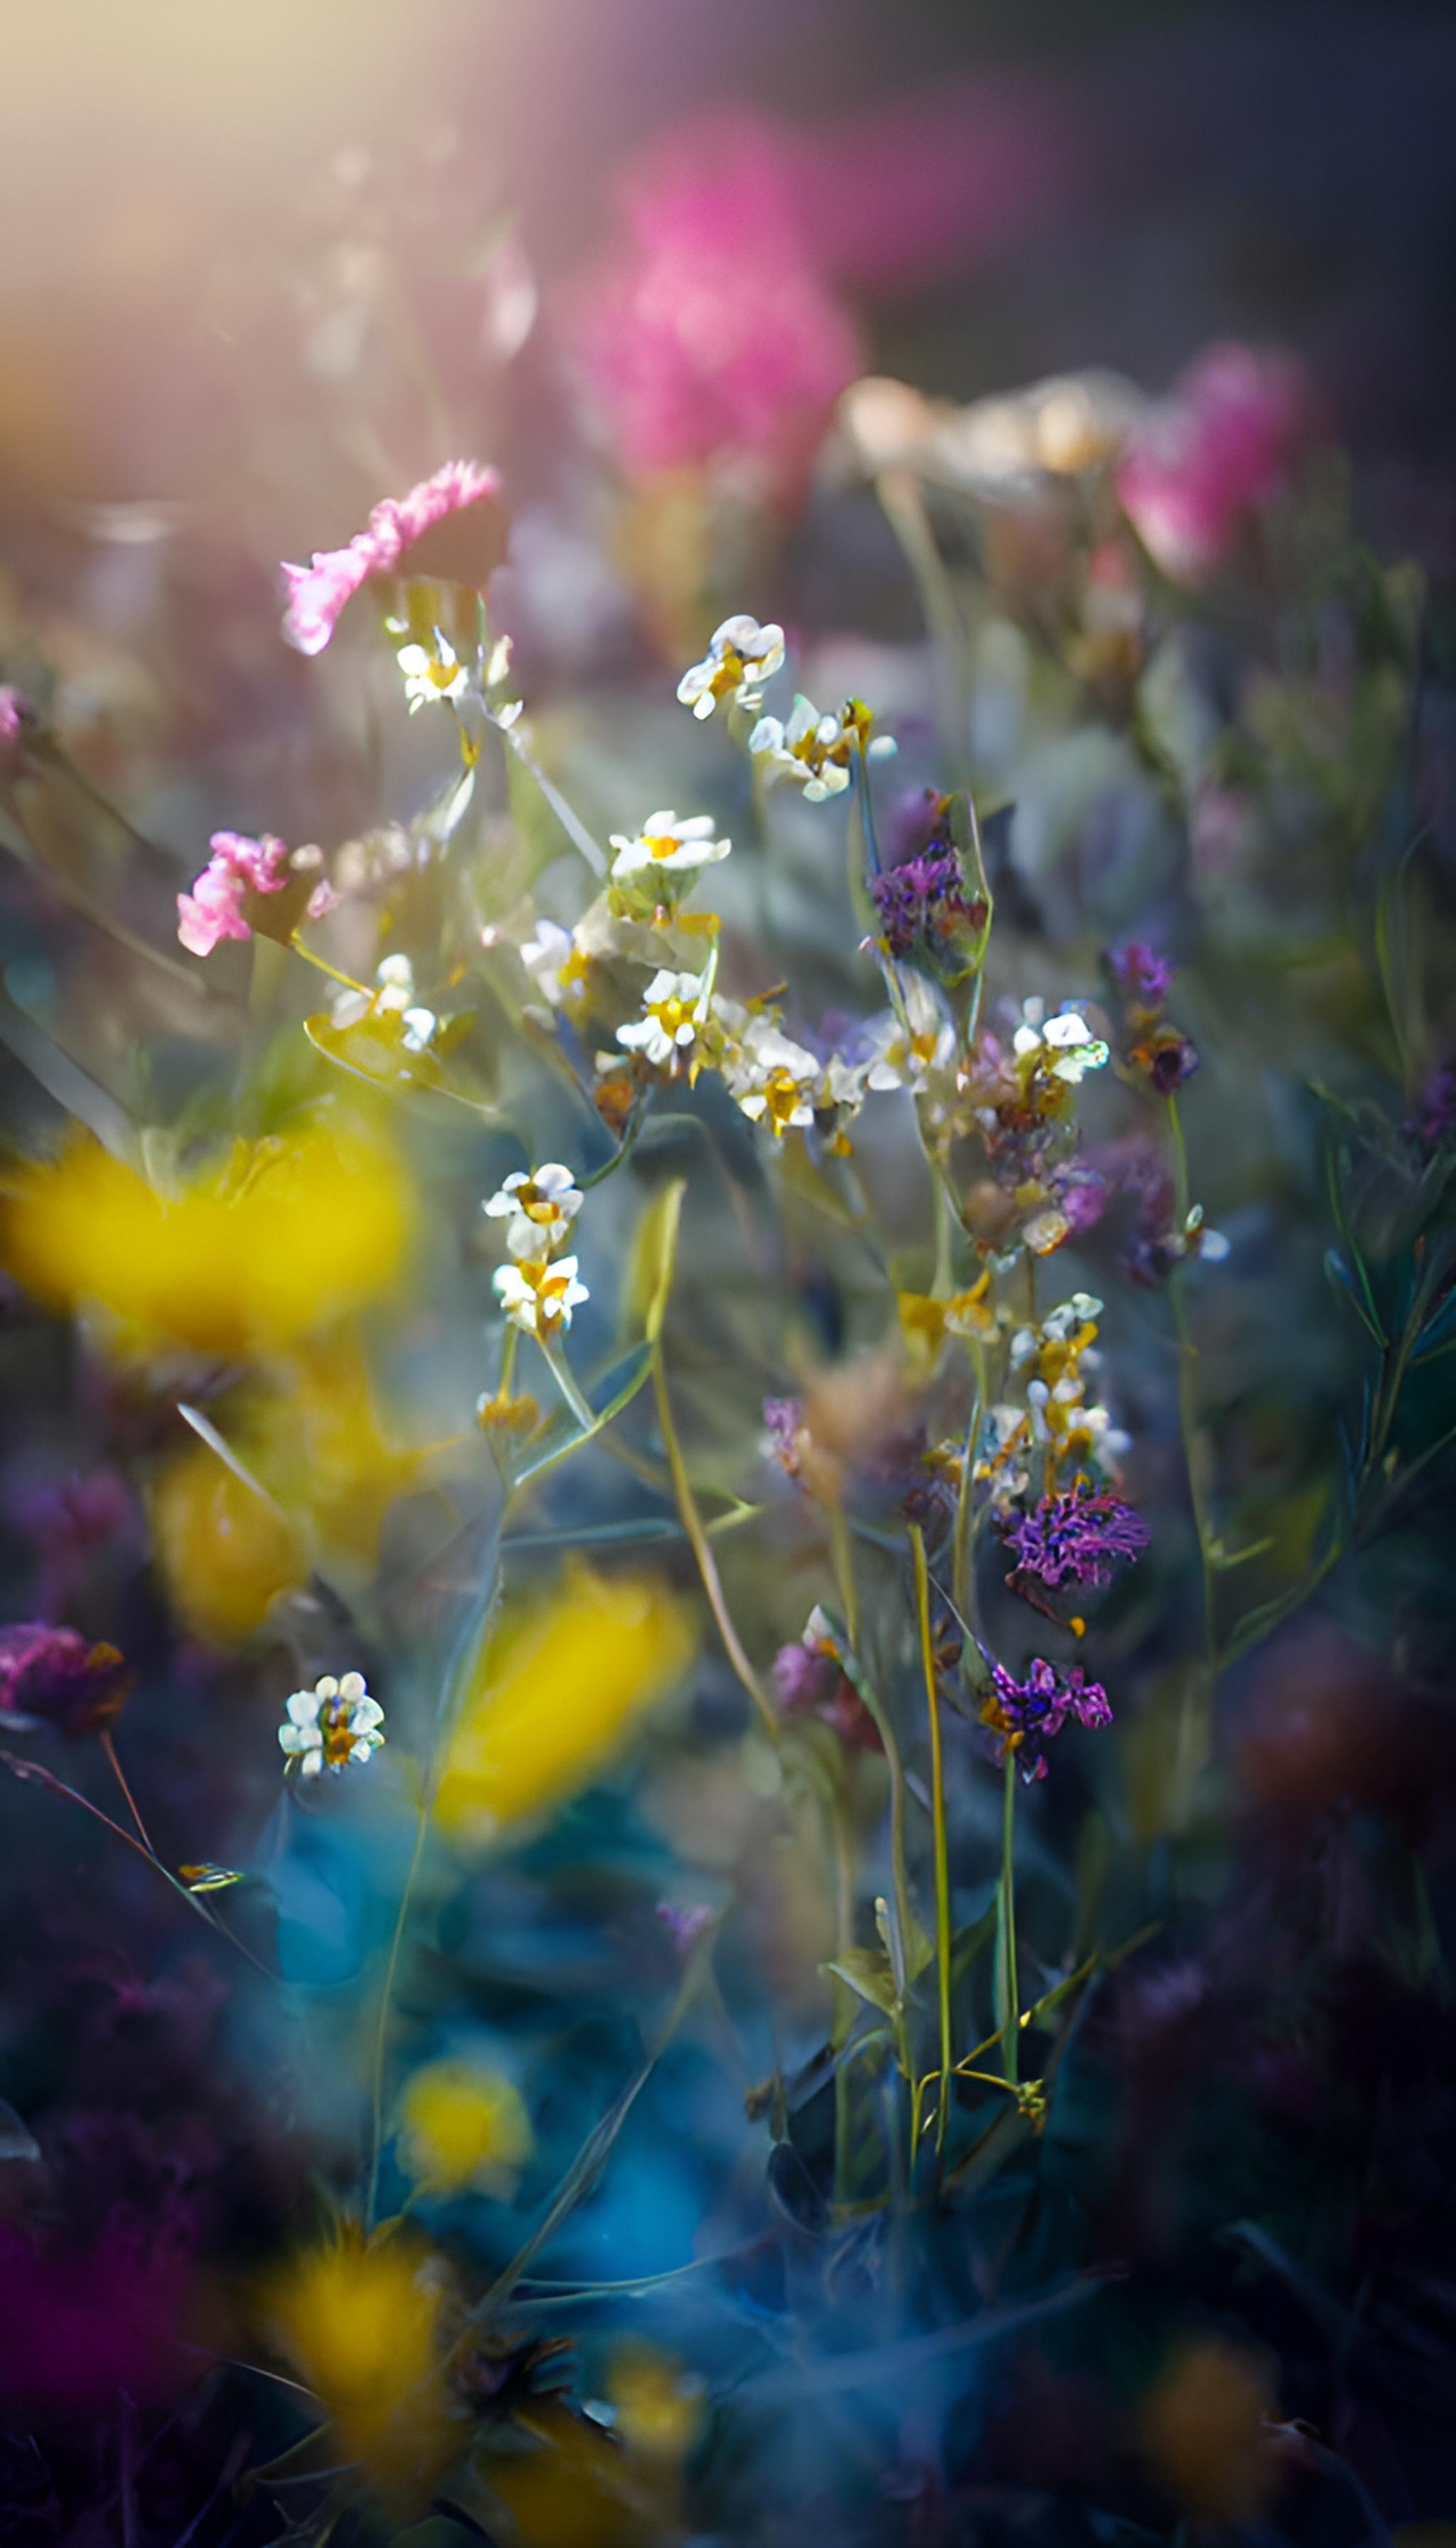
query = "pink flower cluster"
{"x": 711, "y": 331}
{"x": 317, "y": 592}
{"x": 214, "y": 909}
{"x": 12, "y": 722}
{"x": 1217, "y": 449}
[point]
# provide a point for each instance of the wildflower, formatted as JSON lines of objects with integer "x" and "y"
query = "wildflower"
{"x": 1076, "y": 1535}
{"x": 816, "y": 750}
{"x": 555, "y": 964}
{"x": 923, "y": 910}
{"x": 393, "y": 996}
{"x": 666, "y": 845}
{"x": 56, "y": 1677}
{"x": 741, "y": 658}
{"x": 539, "y": 1208}
{"x": 675, "y": 1008}
{"x": 223, "y": 899}
{"x": 281, "y": 1238}
{"x": 1027, "y": 1714}
{"x": 784, "y": 1424}
{"x": 317, "y": 592}
{"x": 1063, "y": 1045}
{"x": 360, "y": 2323}
{"x": 563, "y": 1680}
{"x": 461, "y": 2125}
{"x": 334, "y": 1722}
{"x": 1218, "y": 449}
{"x": 1156, "y": 1049}
{"x": 431, "y": 672}
{"x": 1141, "y": 973}
{"x": 659, "y": 2406}
{"x": 540, "y": 1298}
{"x": 773, "y": 1078}
{"x": 15, "y": 714}
{"x": 811, "y": 1682}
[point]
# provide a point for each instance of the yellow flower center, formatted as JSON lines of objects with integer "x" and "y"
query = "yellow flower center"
{"x": 660, "y": 845}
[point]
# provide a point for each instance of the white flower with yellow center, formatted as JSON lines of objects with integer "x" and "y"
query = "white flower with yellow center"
{"x": 741, "y": 658}
{"x": 774, "y": 1080}
{"x": 814, "y": 749}
{"x": 539, "y": 1299}
{"x": 666, "y": 845}
{"x": 431, "y": 672}
{"x": 901, "y": 1056}
{"x": 334, "y": 1722}
{"x": 674, "y": 1007}
{"x": 539, "y": 1208}
{"x": 392, "y": 997}
{"x": 1063, "y": 1045}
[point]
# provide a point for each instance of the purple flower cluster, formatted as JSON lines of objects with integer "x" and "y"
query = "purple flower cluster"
{"x": 1155, "y": 1046}
{"x": 1141, "y": 973}
{"x": 1075, "y": 1536}
{"x": 811, "y": 1682}
{"x": 56, "y": 1677}
{"x": 922, "y": 904}
{"x": 1028, "y": 1713}
{"x": 783, "y": 1421}
{"x": 1430, "y": 1121}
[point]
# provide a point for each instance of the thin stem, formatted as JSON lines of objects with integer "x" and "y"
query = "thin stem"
{"x": 689, "y": 1516}
{"x": 843, "y": 1569}
{"x": 387, "y": 1992}
{"x": 571, "y": 822}
{"x": 322, "y": 965}
{"x": 561, "y": 1372}
{"x": 1010, "y": 1986}
{"x": 109, "y": 1749}
{"x": 904, "y": 510}
{"x": 938, "y": 1814}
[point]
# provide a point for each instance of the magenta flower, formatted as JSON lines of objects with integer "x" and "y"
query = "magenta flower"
{"x": 711, "y": 332}
{"x": 13, "y": 714}
{"x": 1141, "y": 973}
{"x": 1075, "y": 1536}
{"x": 811, "y": 1682}
{"x": 56, "y": 1677}
{"x": 240, "y": 867}
{"x": 317, "y": 592}
{"x": 1218, "y": 448}
{"x": 1027, "y": 1714}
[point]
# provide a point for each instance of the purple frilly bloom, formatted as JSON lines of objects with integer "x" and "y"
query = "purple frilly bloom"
{"x": 1141, "y": 973}
{"x": 1075, "y": 1536}
{"x": 783, "y": 1419}
{"x": 922, "y": 904}
{"x": 52, "y": 1675}
{"x": 1027, "y": 1714}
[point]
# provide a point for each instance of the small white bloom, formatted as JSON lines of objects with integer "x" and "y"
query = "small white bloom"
{"x": 741, "y": 656}
{"x": 392, "y": 997}
{"x": 774, "y": 1080}
{"x": 540, "y": 1209}
{"x": 666, "y": 845}
{"x": 1064, "y": 1043}
{"x": 675, "y": 1006}
{"x": 815, "y": 750}
{"x": 334, "y": 1722}
{"x": 539, "y": 1299}
{"x": 431, "y": 672}
{"x": 550, "y": 958}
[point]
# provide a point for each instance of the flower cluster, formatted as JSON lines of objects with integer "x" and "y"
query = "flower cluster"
{"x": 317, "y": 592}
{"x": 817, "y": 751}
{"x": 1027, "y": 1714}
{"x": 741, "y": 658}
{"x": 811, "y": 1682}
{"x": 227, "y": 899}
{"x": 539, "y": 1288}
{"x": 1053, "y": 1427}
{"x": 1074, "y": 1536}
{"x": 56, "y": 1677}
{"x": 1157, "y": 1050}
{"x": 331, "y": 1724}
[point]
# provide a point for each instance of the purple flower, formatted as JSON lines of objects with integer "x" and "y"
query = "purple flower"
{"x": 922, "y": 905}
{"x": 1075, "y": 1536}
{"x": 810, "y": 1682}
{"x": 1026, "y": 1714}
{"x": 1141, "y": 973}
{"x": 56, "y": 1677}
{"x": 783, "y": 1423}
{"x": 1430, "y": 1123}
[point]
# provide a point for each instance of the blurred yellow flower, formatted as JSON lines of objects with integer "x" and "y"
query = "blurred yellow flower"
{"x": 559, "y": 1687}
{"x": 360, "y": 2323}
{"x": 318, "y": 1443}
{"x": 462, "y": 2126}
{"x": 282, "y": 1236}
{"x": 224, "y": 1552}
{"x": 660, "y": 2407}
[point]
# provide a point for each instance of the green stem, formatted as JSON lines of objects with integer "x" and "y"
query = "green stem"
{"x": 692, "y": 1520}
{"x": 938, "y": 1813}
{"x": 386, "y": 1996}
{"x": 561, "y": 1372}
{"x": 1011, "y": 2023}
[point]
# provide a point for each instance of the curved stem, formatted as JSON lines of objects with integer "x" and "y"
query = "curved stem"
{"x": 938, "y": 1813}
{"x": 1010, "y": 1986}
{"x": 689, "y": 1516}
{"x": 386, "y": 1996}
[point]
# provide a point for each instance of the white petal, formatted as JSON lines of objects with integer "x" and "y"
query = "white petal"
{"x": 313, "y": 1763}
{"x": 353, "y": 1688}
{"x": 302, "y": 1707}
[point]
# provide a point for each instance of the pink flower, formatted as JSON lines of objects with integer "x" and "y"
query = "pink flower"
{"x": 11, "y": 723}
{"x": 1218, "y": 448}
{"x": 317, "y": 592}
{"x": 240, "y": 867}
{"x": 710, "y": 332}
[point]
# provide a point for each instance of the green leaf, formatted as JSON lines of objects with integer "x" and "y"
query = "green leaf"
{"x": 654, "y": 1257}
{"x": 868, "y": 1972}
{"x": 1344, "y": 1281}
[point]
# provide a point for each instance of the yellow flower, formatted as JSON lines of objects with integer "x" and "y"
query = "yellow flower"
{"x": 660, "y": 2406}
{"x": 559, "y": 1687}
{"x": 360, "y": 2323}
{"x": 461, "y": 2125}
{"x": 284, "y": 1235}
{"x": 226, "y": 1554}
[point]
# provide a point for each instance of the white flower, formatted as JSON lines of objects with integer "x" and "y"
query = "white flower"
{"x": 815, "y": 750}
{"x": 431, "y": 672}
{"x": 552, "y": 962}
{"x": 773, "y": 1078}
{"x": 673, "y": 1008}
{"x": 664, "y": 843}
{"x": 895, "y": 1059}
{"x": 540, "y": 1298}
{"x": 540, "y": 1209}
{"x": 1065, "y": 1043}
{"x": 741, "y": 656}
{"x": 393, "y": 997}
{"x": 334, "y": 1722}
